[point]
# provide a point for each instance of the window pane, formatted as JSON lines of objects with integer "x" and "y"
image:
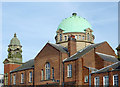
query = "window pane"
{"x": 47, "y": 70}
{"x": 83, "y": 37}
{"x": 96, "y": 81}
{"x": 60, "y": 37}
{"x": 69, "y": 70}
{"x": 22, "y": 77}
{"x": 42, "y": 75}
{"x": 79, "y": 37}
{"x": 106, "y": 81}
{"x": 65, "y": 37}
{"x": 115, "y": 79}
{"x": 88, "y": 37}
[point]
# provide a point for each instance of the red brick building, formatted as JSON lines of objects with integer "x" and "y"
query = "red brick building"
{"x": 73, "y": 60}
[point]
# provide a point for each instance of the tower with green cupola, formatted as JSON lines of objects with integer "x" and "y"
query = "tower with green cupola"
{"x": 77, "y": 26}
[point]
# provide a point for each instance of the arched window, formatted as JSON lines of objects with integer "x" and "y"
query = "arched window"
{"x": 88, "y": 37}
{"x": 60, "y": 37}
{"x": 47, "y": 71}
{"x": 65, "y": 37}
{"x": 83, "y": 37}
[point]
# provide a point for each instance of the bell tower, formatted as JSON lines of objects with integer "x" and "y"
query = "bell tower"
{"x": 13, "y": 60}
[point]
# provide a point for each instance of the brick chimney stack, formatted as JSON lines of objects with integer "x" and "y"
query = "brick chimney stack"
{"x": 71, "y": 45}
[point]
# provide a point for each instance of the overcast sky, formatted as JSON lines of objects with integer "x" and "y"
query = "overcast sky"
{"x": 36, "y": 23}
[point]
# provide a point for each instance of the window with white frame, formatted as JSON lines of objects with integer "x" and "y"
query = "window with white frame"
{"x": 69, "y": 70}
{"x": 106, "y": 81}
{"x": 22, "y": 78}
{"x": 47, "y": 71}
{"x": 115, "y": 80}
{"x": 30, "y": 76}
{"x": 14, "y": 79}
{"x": 42, "y": 74}
{"x": 96, "y": 81}
{"x": 86, "y": 79}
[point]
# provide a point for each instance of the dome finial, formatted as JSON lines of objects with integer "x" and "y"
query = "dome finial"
{"x": 14, "y": 34}
{"x": 74, "y": 14}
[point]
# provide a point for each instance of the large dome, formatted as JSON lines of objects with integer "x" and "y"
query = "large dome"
{"x": 74, "y": 24}
{"x": 14, "y": 40}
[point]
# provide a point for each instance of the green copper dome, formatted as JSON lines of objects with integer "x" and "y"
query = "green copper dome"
{"x": 74, "y": 24}
{"x": 14, "y": 40}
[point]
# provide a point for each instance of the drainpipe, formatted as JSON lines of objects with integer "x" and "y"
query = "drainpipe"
{"x": 89, "y": 78}
{"x": 63, "y": 74}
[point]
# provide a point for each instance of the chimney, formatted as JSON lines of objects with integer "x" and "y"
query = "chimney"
{"x": 71, "y": 45}
{"x": 118, "y": 52}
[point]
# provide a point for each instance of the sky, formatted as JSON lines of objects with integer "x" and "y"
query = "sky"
{"x": 35, "y": 23}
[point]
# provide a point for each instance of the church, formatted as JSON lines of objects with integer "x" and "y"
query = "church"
{"x": 73, "y": 60}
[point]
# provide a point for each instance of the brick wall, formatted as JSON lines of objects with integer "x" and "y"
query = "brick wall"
{"x": 101, "y": 75}
{"x": 26, "y": 77}
{"x": 53, "y": 56}
{"x": 8, "y": 68}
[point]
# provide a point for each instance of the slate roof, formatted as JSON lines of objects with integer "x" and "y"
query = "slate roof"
{"x": 106, "y": 57}
{"x": 27, "y": 65}
{"x": 59, "y": 47}
{"x": 115, "y": 66}
{"x": 82, "y": 52}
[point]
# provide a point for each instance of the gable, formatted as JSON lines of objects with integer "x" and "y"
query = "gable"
{"x": 105, "y": 48}
{"x": 47, "y": 50}
{"x": 51, "y": 49}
